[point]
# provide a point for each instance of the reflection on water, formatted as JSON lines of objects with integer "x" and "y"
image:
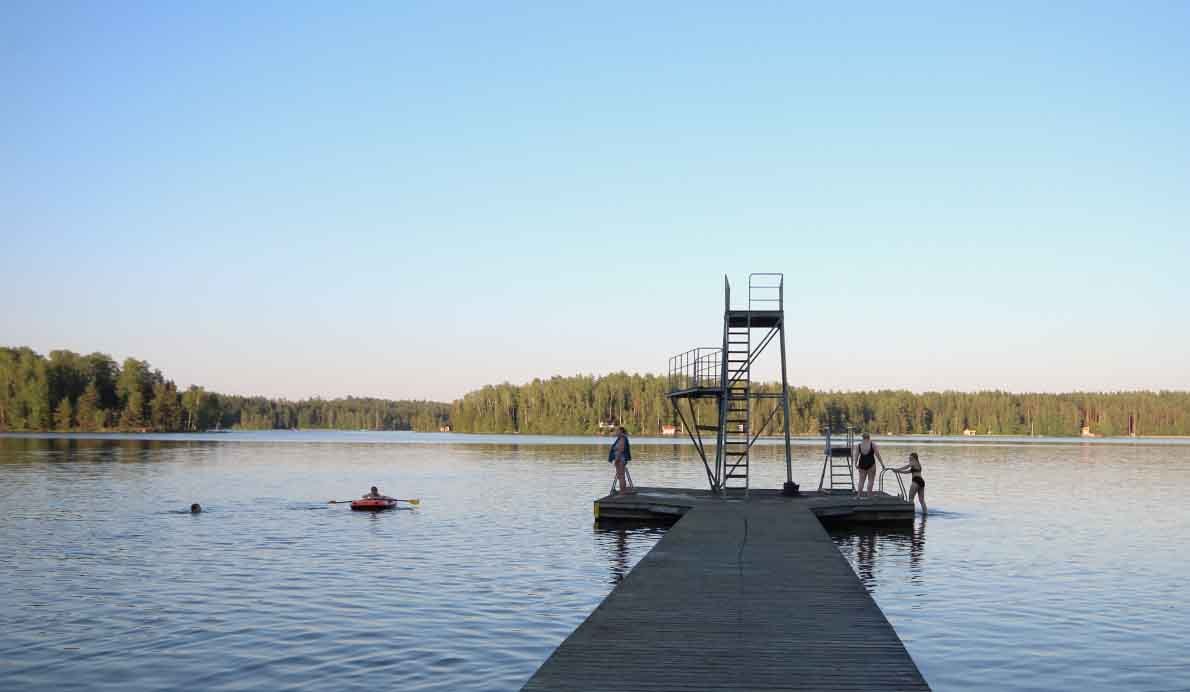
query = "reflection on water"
{"x": 1052, "y": 566}
{"x": 1042, "y": 571}
{"x": 623, "y": 547}
{"x": 869, "y": 548}
{"x": 108, "y": 578}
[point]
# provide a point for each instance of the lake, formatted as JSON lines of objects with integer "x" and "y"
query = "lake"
{"x": 1043, "y": 564}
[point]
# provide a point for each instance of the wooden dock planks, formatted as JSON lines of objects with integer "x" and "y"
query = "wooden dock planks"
{"x": 748, "y": 595}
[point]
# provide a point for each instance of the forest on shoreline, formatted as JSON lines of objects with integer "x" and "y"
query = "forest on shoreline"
{"x": 70, "y": 392}
{"x": 66, "y": 391}
{"x": 577, "y": 405}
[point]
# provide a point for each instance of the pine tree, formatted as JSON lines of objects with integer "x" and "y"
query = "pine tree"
{"x": 87, "y": 411}
{"x": 133, "y": 416}
{"x": 166, "y": 414}
{"x": 64, "y": 415}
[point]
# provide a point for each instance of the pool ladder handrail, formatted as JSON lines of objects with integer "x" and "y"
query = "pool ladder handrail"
{"x": 900, "y": 483}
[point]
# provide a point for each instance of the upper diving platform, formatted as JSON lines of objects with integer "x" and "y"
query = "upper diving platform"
{"x": 702, "y": 372}
{"x": 757, "y": 319}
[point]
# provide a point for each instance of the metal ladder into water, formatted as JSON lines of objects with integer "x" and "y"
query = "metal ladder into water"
{"x": 839, "y": 463}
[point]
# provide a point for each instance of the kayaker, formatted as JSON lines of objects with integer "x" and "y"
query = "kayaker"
{"x": 375, "y": 494}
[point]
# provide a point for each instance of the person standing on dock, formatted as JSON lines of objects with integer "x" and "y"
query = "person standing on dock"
{"x": 620, "y": 454}
{"x": 867, "y": 454}
{"x": 917, "y": 487}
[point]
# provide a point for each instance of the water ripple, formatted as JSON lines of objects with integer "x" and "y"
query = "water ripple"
{"x": 1054, "y": 583}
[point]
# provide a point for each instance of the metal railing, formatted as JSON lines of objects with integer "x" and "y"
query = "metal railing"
{"x": 766, "y": 291}
{"x": 697, "y": 368}
{"x": 900, "y": 483}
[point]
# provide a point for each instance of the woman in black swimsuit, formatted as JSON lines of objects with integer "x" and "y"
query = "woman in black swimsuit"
{"x": 918, "y": 485}
{"x": 867, "y": 453}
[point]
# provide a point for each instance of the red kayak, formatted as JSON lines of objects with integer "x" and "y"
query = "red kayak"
{"x": 373, "y": 504}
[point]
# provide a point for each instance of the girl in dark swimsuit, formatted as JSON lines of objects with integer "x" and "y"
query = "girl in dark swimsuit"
{"x": 917, "y": 487}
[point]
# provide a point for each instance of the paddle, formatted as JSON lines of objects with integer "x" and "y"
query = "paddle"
{"x": 414, "y": 501}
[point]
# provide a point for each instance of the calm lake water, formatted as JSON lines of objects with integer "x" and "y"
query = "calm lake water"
{"x": 1041, "y": 566}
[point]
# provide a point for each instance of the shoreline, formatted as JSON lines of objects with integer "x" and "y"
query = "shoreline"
{"x": 544, "y": 438}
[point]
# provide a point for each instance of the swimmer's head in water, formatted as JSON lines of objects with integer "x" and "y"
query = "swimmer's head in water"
{"x": 195, "y": 508}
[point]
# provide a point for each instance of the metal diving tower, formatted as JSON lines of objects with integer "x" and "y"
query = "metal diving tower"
{"x": 717, "y": 382}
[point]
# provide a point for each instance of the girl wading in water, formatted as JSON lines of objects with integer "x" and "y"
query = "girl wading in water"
{"x": 918, "y": 485}
{"x": 867, "y": 453}
{"x": 620, "y": 454}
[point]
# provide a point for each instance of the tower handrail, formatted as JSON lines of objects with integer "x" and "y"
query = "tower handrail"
{"x": 763, "y": 294}
{"x": 697, "y": 368}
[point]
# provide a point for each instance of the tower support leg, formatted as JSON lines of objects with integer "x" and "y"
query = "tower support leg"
{"x": 790, "y": 488}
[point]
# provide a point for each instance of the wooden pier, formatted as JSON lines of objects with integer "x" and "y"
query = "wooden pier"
{"x": 738, "y": 595}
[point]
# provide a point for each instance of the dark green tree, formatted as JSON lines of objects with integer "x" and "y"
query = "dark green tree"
{"x": 166, "y": 410}
{"x": 87, "y": 412}
{"x": 64, "y": 415}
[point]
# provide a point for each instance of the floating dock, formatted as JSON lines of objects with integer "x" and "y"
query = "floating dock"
{"x": 747, "y": 594}
{"x": 746, "y": 591}
{"x": 657, "y": 505}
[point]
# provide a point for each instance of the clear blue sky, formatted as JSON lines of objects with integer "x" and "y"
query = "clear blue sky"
{"x": 412, "y": 200}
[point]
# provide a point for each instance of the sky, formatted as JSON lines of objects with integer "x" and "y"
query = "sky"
{"x": 412, "y": 200}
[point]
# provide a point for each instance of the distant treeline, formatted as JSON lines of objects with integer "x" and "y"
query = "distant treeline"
{"x": 68, "y": 391}
{"x": 72, "y": 392}
{"x": 577, "y": 405}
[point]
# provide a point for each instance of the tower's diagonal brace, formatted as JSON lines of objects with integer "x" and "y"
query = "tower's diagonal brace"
{"x": 768, "y": 420}
{"x": 702, "y": 450}
{"x": 754, "y": 355}
{"x": 716, "y": 481}
{"x": 698, "y": 446}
